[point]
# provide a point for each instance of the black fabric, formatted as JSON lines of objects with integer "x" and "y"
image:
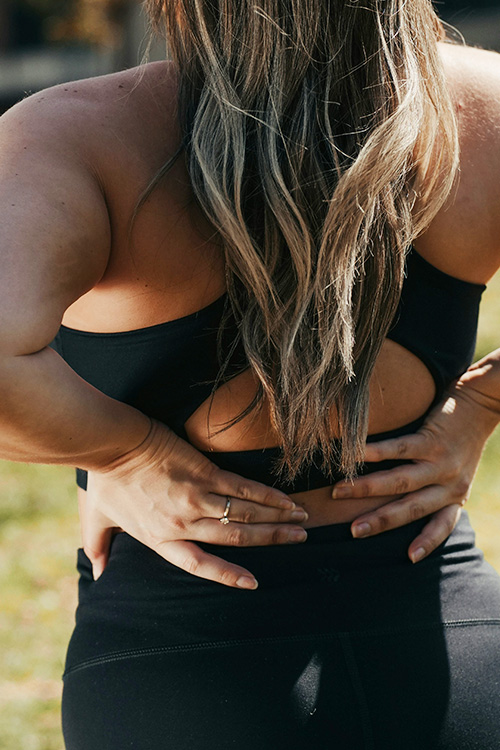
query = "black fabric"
{"x": 437, "y": 319}
{"x": 168, "y": 370}
{"x": 345, "y": 644}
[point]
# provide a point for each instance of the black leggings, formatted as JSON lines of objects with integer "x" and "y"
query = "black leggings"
{"x": 345, "y": 645}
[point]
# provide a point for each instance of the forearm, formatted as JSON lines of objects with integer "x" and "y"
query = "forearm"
{"x": 480, "y": 385}
{"x": 49, "y": 414}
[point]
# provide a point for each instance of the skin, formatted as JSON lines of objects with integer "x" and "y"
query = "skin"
{"x": 78, "y": 156}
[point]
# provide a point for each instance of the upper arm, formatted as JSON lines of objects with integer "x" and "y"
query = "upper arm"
{"x": 467, "y": 232}
{"x": 54, "y": 230}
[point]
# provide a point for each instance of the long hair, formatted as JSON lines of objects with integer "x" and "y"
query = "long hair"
{"x": 320, "y": 140}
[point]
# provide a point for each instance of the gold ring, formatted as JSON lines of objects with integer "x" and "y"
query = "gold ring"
{"x": 225, "y": 516}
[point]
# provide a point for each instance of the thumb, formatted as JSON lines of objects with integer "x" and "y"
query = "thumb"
{"x": 97, "y": 533}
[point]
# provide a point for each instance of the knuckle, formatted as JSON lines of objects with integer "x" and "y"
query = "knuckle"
{"x": 191, "y": 501}
{"x": 461, "y": 488}
{"x": 227, "y": 577}
{"x": 381, "y": 522}
{"x": 191, "y": 564}
{"x": 401, "y": 449}
{"x": 279, "y": 536}
{"x": 454, "y": 468}
{"x": 268, "y": 498}
{"x": 283, "y": 516}
{"x": 361, "y": 489}
{"x": 435, "y": 446}
{"x": 202, "y": 469}
{"x": 243, "y": 491}
{"x": 249, "y": 515}
{"x": 421, "y": 440}
{"x": 236, "y": 537}
{"x": 212, "y": 473}
{"x": 416, "y": 511}
{"x": 401, "y": 486}
{"x": 441, "y": 532}
{"x": 376, "y": 453}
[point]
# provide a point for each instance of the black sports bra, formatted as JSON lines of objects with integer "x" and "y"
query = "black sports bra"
{"x": 168, "y": 370}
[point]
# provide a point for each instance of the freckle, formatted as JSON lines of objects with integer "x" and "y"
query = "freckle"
{"x": 75, "y": 91}
{"x": 120, "y": 85}
{"x": 65, "y": 89}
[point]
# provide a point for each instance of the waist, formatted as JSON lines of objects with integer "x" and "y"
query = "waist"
{"x": 323, "y": 510}
{"x": 331, "y": 583}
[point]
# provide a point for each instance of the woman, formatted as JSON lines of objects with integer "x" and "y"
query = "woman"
{"x": 307, "y": 145}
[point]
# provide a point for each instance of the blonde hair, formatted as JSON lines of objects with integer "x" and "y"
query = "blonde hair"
{"x": 320, "y": 140}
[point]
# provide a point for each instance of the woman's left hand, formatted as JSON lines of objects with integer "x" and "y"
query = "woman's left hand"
{"x": 444, "y": 456}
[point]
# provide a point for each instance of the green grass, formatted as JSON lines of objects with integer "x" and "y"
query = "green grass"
{"x": 484, "y": 504}
{"x": 39, "y": 534}
{"x": 38, "y": 537}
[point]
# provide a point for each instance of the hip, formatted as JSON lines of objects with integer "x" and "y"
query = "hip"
{"x": 331, "y": 584}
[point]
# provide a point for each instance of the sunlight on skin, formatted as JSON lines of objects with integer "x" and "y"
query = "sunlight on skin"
{"x": 399, "y": 379}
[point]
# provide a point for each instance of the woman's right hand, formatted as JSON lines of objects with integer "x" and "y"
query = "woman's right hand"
{"x": 168, "y": 495}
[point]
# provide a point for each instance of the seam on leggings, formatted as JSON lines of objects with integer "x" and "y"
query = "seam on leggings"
{"x": 352, "y": 669}
{"x": 265, "y": 640}
{"x": 427, "y": 626}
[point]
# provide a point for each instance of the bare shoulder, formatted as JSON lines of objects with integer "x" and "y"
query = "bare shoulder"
{"x": 129, "y": 108}
{"x": 470, "y": 69}
{"x": 55, "y": 234}
{"x": 474, "y": 78}
{"x": 465, "y": 236}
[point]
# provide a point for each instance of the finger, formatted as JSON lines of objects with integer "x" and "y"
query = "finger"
{"x": 435, "y": 532}
{"x": 397, "y": 481}
{"x": 243, "y": 511}
{"x": 192, "y": 559}
{"x": 235, "y": 534}
{"x": 400, "y": 512}
{"x": 96, "y": 538}
{"x": 227, "y": 483}
{"x": 405, "y": 447}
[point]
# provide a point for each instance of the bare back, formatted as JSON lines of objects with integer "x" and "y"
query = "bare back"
{"x": 175, "y": 265}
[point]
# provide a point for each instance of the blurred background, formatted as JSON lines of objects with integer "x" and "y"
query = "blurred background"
{"x": 42, "y": 43}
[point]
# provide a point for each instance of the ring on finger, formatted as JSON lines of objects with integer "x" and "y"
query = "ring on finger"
{"x": 225, "y": 516}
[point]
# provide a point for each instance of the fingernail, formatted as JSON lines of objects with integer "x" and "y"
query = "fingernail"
{"x": 361, "y": 529}
{"x": 245, "y": 582}
{"x": 418, "y": 555}
{"x": 286, "y": 503}
{"x": 297, "y": 535}
{"x": 341, "y": 492}
{"x": 299, "y": 515}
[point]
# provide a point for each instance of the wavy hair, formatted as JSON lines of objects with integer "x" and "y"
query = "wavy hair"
{"x": 320, "y": 140}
